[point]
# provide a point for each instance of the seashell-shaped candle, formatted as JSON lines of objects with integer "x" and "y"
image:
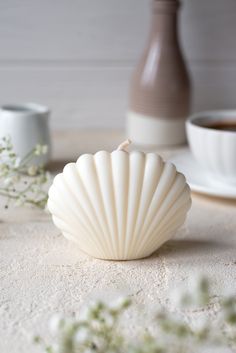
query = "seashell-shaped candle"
{"x": 119, "y": 205}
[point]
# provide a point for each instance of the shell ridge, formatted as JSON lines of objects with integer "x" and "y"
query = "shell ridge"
{"x": 160, "y": 193}
{"x": 55, "y": 210}
{"x": 166, "y": 233}
{"x": 63, "y": 226}
{"x": 53, "y": 203}
{"x": 113, "y": 200}
{"x": 67, "y": 229}
{"x": 58, "y": 221}
{"x": 114, "y": 197}
{"x": 183, "y": 205}
{"x": 143, "y": 213}
{"x": 158, "y": 178}
{"x": 161, "y": 237}
{"x": 91, "y": 204}
{"x": 77, "y": 201}
{"x": 119, "y": 183}
{"x": 158, "y": 197}
{"x": 130, "y": 233}
{"x": 123, "y": 239}
{"x": 154, "y": 203}
{"x": 178, "y": 219}
{"x": 110, "y": 243}
{"x": 92, "y": 230}
{"x": 81, "y": 248}
{"x": 76, "y": 178}
{"x": 170, "y": 198}
{"x": 125, "y": 211}
{"x": 73, "y": 216}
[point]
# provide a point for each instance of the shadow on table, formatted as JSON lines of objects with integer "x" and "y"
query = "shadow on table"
{"x": 194, "y": 247}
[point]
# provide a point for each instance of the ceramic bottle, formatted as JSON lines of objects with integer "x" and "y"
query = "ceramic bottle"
{"x": 160, "y": 86}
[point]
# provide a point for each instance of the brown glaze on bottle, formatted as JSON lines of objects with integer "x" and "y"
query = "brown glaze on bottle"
{"x": 160, "y": 86}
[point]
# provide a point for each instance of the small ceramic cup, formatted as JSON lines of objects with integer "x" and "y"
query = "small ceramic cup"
{"x": 212, "y": 139}
{"x": 27, "y": 125}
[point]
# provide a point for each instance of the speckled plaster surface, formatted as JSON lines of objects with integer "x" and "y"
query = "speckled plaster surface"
{"x": 42, "y": 273}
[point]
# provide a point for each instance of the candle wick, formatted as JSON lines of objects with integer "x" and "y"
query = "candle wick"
{"x": 123, "y": 146}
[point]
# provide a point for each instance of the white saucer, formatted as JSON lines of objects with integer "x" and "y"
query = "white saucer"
{"x": 199, "y": 180}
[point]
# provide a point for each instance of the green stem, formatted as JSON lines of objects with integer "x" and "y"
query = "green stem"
{"x": 5, "y": 194}
{"x": 27, "y": 157}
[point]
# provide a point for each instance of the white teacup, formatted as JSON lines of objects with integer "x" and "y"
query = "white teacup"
{"x": 212, "y": 139}
{"x": 27, "y": 126}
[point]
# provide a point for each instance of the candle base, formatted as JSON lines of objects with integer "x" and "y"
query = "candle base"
{"x": 146, "y": 130}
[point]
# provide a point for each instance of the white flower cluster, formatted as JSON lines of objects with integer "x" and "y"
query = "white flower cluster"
{"x": 97, "y": 330}
{"x": 93, "y": 331}
{"x": 20, "y": 180}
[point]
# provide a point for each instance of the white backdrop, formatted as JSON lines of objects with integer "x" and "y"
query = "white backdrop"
{"x": 77, "y": 55}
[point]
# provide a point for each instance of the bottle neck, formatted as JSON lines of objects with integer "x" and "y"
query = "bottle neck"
{"x": 165, "y": 6}
{"x": 164, "y": 19}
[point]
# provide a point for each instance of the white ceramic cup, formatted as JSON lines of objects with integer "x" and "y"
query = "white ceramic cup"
{"x": 27, "y": 126}
{"x": 214, "y": 149}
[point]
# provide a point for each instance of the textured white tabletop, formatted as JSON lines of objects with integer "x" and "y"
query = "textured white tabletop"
{"x": 42, "y": 273}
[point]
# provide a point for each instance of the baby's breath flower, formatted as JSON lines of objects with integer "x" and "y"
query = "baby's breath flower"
{"x": 17, "y": 162}
{"x": 11, "y": 180}
{"x": 40, "y": 149}
{"x": 7, "y": 181}
{"x": 200, "y": 322}
{"x": 100, "y": 332}
{"x": 56, "y": 323}
{"x": 20, "y": 201}
{"x": 120, "y": 303}
{"x": 19, "y": 180}
{"x": 82, "y": 335}
{"x": 4, "y": 169}
{"x": 88, "y": 350}
{"x": 42, "y": 179}
{"x": 32, "y": 170}
{"x": 84, "y": 314}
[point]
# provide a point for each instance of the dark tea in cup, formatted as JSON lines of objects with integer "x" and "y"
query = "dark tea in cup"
{"x": 223, "y": 125}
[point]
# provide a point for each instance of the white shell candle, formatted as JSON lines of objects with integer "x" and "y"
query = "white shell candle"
{"x": 119, "y": 205}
